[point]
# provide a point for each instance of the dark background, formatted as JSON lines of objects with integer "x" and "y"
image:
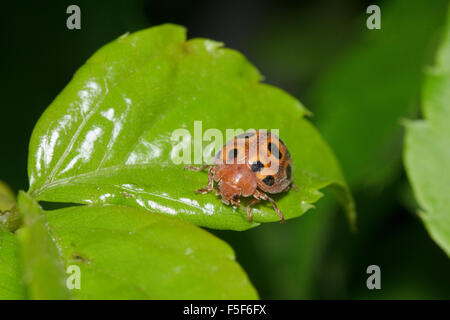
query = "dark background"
{"x": 359, "y": 83}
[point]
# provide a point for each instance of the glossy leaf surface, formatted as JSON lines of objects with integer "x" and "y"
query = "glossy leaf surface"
{"x": 106, "y": 139}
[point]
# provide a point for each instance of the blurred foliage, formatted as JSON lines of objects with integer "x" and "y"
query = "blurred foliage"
{"x": 375, "y": 85}
{"x": 10, "y": 272}
{"x": 302, "y": 47}
{"x": 360, "y": 101}
{"x": 427, "y": 154}
{"x": 43, "y": 272}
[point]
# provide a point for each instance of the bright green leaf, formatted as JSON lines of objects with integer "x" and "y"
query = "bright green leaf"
{"x": 427, "y": 149}
{"x": 11, "y": 286}
{"x": 43, "y": 271}
{"x": 126, "y": 253}
{"x": 107, "y": 137}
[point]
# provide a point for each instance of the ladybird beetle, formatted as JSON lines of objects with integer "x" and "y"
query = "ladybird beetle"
{"x": 250, "y": 165}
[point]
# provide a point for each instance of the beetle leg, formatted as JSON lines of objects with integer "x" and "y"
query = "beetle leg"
{"x": 249, "y": 208}
{"x": 263, "y": 196}
{"x": 210, "y": 185}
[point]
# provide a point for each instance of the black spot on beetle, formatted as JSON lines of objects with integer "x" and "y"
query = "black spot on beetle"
{"x": 257, "y": 166}
{"x": 246, "y": 135}
{"x": 233, "y": 153}
{"x": 273, "y": 149}
{"x": 288, "y": 172}
{"x": 269, "y": 180}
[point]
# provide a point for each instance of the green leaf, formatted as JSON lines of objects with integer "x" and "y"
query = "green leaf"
{"x": 43, "y": 270}
{"x": 9, "y": 216}
{"x": 127, "y": 253}
{"x": 7, "y": 198}
{"x": 11, "y": 286}
{"x": 107, "y": 137}
{"x": 427, "y": 149}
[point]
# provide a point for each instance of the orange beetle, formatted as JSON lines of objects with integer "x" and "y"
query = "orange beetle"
{"x": 250, "y": 165}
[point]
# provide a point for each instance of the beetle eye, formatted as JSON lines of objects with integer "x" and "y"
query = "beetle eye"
{"x": 236, "y": 196}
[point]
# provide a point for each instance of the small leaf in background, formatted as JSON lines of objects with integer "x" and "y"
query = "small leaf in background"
{"x": 11, "y": 286}
{"x": 427, "y": 149}
{"x": 7, "y": 197}
{"x": 9, "y": 216}
{"x": 106, "y": 139}
{"x": 43, "y": 271}
{"x": 127, "y": 253}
